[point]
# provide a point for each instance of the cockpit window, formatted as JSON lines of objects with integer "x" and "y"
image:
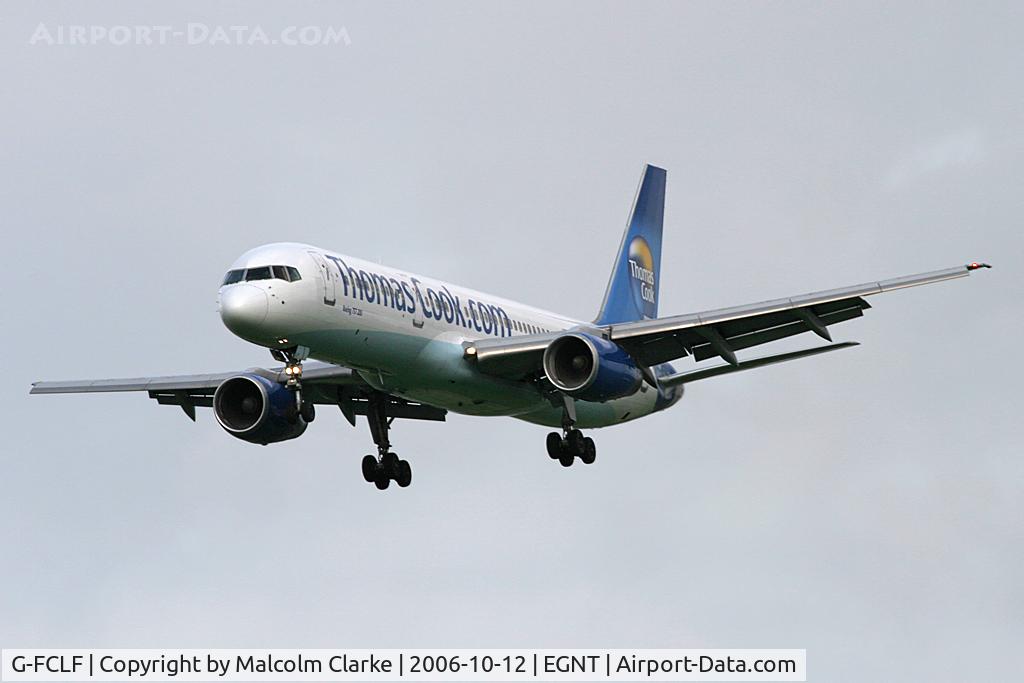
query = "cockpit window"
{"x": 286, "y": 273}
{"x": 261, "y": 273}
{"x": 233, "y": 276}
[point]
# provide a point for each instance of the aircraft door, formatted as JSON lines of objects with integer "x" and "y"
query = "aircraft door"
{"x": 326, "y": 274}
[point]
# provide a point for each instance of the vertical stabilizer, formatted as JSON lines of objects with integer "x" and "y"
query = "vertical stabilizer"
{"x": 632, "y": 292}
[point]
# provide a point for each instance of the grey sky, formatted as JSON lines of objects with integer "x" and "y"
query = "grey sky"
{"x": 866, "y": 505}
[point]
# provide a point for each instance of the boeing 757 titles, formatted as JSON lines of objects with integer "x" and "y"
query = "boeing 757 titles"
{"x": 390, "y": 345}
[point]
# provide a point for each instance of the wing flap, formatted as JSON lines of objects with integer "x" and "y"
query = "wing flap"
{"x": 765, "y": 335}
{"x": 400, "y": 408}
{"x": 724, "y": 369}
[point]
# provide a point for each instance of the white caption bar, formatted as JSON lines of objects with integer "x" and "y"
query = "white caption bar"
{"x": 404, "y": 665}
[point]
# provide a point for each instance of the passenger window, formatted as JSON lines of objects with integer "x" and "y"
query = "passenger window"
{"x": 261, "y": 273}
{"x": 294, "y": 274}
{"x": 233, "y": 276}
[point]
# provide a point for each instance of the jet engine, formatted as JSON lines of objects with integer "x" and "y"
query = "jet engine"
{"x": 258, "y": 410}
{"x": 590, "y": 368}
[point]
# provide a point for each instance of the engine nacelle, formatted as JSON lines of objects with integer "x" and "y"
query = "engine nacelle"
{"x": 590, "y": 368}
{"x": 257, "y": 409}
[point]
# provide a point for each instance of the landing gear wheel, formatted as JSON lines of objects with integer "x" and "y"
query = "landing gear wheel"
{"x": 575, "y": 442}
{"x": 369, "y": 468}
{"x": 384, "y": 467}
{"x": 307, "y": 411}
{"x": 566, "y": 459}
{"x": 589, "y": 451}
{"x": 389, "y": 463}
{"x": 555, "y": 445}
{"x": 404, "y": 477}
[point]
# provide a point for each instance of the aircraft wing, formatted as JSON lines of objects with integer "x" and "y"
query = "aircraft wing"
{"x": 313, "y": 372}
{"x": 322, "y": 383}
{"x": 720, "y": 332}
{"x": 724, "y": 331}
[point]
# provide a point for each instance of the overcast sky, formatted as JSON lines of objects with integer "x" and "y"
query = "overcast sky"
{"x": 867, "y": 506}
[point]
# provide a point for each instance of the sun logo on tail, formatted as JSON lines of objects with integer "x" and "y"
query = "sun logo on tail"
{"x": 642, "y": 278}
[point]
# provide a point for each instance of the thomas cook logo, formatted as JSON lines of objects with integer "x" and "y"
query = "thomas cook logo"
{"x": 642, "y": 277}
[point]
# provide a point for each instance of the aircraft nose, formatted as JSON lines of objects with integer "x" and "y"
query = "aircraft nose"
{"x": 243, "y": 308}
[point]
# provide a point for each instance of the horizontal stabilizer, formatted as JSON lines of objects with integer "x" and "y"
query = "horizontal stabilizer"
{"x": 687, "y": 377}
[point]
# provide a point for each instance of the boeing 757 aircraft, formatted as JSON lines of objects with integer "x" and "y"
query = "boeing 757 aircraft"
{"x": 393, "y": 345}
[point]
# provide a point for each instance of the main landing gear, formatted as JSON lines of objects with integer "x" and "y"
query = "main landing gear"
{"x": 565, "y": 449}
{"x": 385, "y": 467}
{"x": 571, "y": 443}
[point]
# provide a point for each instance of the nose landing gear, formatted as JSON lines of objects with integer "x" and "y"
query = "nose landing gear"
{"x": 292, "y": 359}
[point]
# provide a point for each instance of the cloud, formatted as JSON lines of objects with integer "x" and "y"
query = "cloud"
{"x": 956, "y": 150}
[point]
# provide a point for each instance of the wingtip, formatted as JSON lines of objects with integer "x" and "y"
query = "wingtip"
{"x": 975, "y": 265}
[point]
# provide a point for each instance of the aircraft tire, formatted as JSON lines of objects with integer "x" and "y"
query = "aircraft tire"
{"x": 390, "y": 464}
{"x": 576, "y": 442}
{"x": 554, "y": 444}
{"x": 382, "y": 481}
{"x": 566, "y": 458}
{"x": 589, "y": 451}
{"x": 404, "y": 477}
{"x": 369, "y": 468}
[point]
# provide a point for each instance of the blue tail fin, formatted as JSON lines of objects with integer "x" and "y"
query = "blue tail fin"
{"x": 633, "y": 287}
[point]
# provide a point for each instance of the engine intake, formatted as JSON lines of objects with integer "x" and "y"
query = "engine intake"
{"x": 257, "y": 410}
{"x": 590, "y": 368}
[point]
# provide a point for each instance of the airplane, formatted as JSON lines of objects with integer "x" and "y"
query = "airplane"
{"x": 386, "y": 344}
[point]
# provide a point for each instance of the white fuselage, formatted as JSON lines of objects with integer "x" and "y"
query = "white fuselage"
{"x": 404, "y": 333}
